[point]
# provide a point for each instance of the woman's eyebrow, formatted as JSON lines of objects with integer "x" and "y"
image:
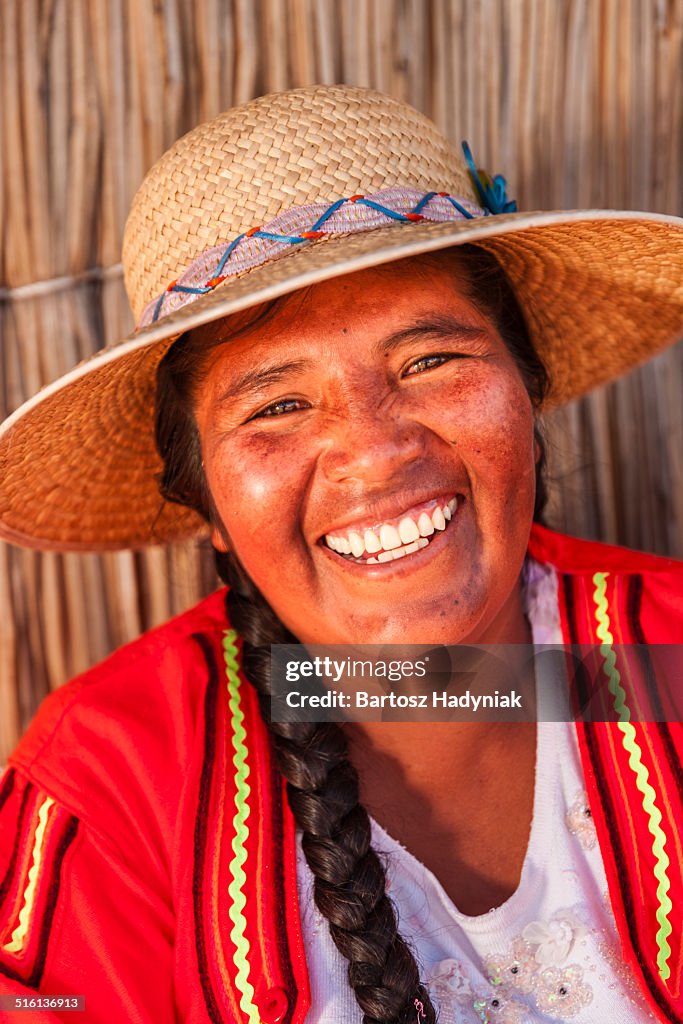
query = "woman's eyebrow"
{"x": 258, "y": 377}
{"x": 437, "y": 326}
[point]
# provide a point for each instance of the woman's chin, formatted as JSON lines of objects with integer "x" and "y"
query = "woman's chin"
{"x": 440, "y": 620}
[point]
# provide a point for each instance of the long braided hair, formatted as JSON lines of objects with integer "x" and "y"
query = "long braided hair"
{"x": 322, "y": 783}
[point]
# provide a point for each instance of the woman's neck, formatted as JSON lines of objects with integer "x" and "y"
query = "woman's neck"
{"x": 438, "y": 788}
{"x": 458, "y": 796}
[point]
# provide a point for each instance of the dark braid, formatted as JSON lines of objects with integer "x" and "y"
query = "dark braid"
{"x": 322, "y": 784}
{"x": 322, "y": 787}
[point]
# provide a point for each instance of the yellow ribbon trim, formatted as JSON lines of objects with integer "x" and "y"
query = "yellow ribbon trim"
{"x": 242, "y": 790}
{"x": 16, "y": 942}
{"x": 640, "y": 771}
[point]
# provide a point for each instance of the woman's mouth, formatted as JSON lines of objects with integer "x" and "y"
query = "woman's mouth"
{"x": 395, "y": 538}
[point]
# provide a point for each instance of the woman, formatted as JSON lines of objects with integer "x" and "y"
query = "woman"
{"x": 347, "y": 394}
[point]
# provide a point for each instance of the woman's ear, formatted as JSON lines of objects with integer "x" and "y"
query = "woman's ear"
{"x": 219, "y": 540}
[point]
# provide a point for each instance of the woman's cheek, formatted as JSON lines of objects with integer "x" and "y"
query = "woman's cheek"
{"x": 260, "y": 486}
{"x": 499, "y": 424}
{"x": 497, "y": 448}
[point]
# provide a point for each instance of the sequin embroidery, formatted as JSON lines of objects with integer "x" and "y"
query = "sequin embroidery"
{"x": 535, "y": 973}
{"x": 536, "y": 966}
{"x": 580, "y": 822}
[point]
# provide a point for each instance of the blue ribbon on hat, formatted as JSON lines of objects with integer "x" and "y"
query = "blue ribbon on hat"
{"x": 491, "y": 191}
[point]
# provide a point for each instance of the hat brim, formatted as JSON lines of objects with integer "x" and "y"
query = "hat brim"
{"x": 602, "y": 291}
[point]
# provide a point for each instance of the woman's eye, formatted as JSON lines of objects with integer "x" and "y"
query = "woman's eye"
{"x": 431, "y": 361}
{"x": 279, "y": 408}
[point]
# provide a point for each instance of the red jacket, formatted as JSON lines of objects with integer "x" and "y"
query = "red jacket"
{"x": 147, "y": 855}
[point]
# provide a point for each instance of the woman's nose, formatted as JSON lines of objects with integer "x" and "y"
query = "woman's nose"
{"x": 372, "y": 445}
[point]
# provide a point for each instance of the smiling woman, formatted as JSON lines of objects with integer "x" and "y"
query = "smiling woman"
{"x": 346, "y": 342}
{"x": 379, "y": 398}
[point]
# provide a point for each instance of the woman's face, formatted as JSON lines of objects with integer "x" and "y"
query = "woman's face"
{"x": 374, "y": 415}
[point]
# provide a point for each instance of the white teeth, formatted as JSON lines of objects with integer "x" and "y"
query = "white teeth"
{"x": 389, "y": 556}
{"x": 425, "y": 525}
{"x": 389, "y": 541}
{"x": 357, "y": 544}
{"x": 438, "y": 519}
{"x": 408, "y": 531}
{"x": 371, "y": 542}
{"x": 449, "y": 509}
{"x": 389, "y": 537}
{"x": 409, "y": 549}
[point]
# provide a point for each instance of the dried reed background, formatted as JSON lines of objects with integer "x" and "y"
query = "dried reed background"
{"x": 579, "y": 102}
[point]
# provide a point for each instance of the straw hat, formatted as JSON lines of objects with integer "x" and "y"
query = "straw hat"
{"x": 291, "y": 189}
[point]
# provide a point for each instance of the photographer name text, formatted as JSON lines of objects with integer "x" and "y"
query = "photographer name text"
{"x": 437, "y": 699}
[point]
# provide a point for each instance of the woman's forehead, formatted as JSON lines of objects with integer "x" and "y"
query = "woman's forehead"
{"x": 379, "y": 298}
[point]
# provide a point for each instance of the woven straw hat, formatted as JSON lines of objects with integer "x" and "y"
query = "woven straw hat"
{"x": 291, "y": 189}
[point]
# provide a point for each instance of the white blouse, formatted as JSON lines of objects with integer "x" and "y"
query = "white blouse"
{"x": 549, "y": 953}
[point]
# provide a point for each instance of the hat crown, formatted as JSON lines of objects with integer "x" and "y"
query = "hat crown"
{"x": 276, "y": 152}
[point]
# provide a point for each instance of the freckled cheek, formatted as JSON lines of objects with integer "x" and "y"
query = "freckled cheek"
{"x": 498, "y": 403}
{"x": 258, "y": 491}
{"x": 494, "y": 437}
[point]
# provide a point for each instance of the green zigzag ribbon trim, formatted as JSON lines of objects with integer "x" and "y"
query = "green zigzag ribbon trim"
{"x": 242, "y": 789}
{"x": 640, "y": 771}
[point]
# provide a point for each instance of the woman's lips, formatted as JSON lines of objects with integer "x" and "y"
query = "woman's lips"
{"x": 395, "y": 538}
